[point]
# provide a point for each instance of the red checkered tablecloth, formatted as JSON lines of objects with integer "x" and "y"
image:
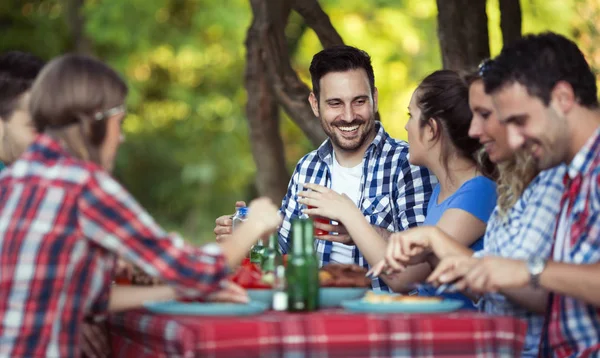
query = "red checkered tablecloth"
{"x": 333, "y": 333}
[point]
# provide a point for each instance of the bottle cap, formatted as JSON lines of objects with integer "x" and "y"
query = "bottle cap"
{"x": 243, "y": 211}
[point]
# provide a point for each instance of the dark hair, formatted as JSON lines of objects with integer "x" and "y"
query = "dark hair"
{"x": 18, "y": 70}
{"x": 443, "y": 97}
{"x": 339, "y": 59}
{"x": 539, "y": 62}
{"x": 76, "y": 90}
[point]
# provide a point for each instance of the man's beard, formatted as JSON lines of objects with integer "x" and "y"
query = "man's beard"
{"x": 366, "y": 127}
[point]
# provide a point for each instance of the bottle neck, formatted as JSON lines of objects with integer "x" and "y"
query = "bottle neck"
{"x": 273, "y": 241}
{"x": 308, "y": 237}
{"x": 297, "y": 237}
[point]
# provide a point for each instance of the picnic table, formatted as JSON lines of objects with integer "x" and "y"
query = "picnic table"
{"x": 326, "y": 333}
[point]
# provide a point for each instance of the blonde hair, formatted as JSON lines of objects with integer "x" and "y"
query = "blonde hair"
{"x": 514, "y": 176}
{"x": 69, "y": 92}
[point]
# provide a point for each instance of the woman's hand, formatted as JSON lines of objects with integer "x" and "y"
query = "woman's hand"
{"x": 405, "y": 248}
{"x": 263, "y": 215}
{"x": 230, "y": 292}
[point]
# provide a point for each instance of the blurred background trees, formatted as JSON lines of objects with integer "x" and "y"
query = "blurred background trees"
{"x": 218, "y": 87}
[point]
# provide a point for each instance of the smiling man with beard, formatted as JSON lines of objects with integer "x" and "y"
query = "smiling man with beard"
{"x": 359, "y": 159}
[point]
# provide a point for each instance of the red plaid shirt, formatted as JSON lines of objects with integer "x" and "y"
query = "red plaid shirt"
{"x": 572, "y": 326}
{"x": 63, "y": 222}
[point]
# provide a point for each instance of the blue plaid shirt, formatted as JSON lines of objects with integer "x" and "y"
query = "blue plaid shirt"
{"x": 394, "y": 194}
{"x": 526, "y": 231}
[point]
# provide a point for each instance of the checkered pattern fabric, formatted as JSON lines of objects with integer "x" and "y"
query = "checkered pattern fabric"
{"x": 525, "y": 231}
{"x": 329, "y": 333}
{"x": 63, "y": 221}
{"x": 394, "y": 194}
{"x": 572, "y": 326}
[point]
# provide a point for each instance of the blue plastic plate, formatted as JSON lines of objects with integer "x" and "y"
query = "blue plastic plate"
{"x": 447, "y": 305}
{"x": 333, "y": 296}
{"x": 262, "y": 296}
{"x": 206, "y": 309}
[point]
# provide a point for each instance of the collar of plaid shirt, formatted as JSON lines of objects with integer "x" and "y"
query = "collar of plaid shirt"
{"x": 325, "y": 151}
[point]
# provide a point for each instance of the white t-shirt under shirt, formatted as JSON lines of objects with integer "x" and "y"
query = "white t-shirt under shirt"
{"x": 345, "y": 181}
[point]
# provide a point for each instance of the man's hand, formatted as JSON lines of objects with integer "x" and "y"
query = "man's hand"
{"x": 453, "y": 269}
{"x": 324, "y": 202}
{"x": 342, "y": 234}
{"x": 224, "y": 224}
{"x": 492, "y": 274}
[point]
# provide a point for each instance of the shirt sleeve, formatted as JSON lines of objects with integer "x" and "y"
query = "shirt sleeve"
{"x": 111, "y": 218}
{"x": 477, "y": 197}
{"x": 290, "y": 208}
{"x": 415, "y": 185}
{"x": 530, "y": 224}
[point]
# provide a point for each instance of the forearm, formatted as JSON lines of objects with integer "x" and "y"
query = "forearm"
{"x": 129, "y": 297}
{"x": 240, "y": 243}
{"x": 443, "y": 245}
{"x": 534, "y": 300}
{"x": 579, "y": 281}
{"x": 366, "y": 237}
{"x": 372, "y": 243}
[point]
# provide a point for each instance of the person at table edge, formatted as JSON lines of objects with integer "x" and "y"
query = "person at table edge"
{"x": 64, "y": 219}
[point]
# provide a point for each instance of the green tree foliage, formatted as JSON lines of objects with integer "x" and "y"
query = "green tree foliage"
{"x": 187, "y": 157}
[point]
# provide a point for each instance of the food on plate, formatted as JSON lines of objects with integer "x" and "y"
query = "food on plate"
{"x": 325, "y": 276}
{"x": 343, "y": 275}
{"x": 372, "y": 297}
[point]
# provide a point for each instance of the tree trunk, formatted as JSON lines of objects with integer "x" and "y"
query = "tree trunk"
{"x": 263, "y": 120}
{"x": 463, "y": 33}
{"x": 318, "y": 20}
{"x": 271, "y": 81}
{"x": 510, "y": 20}
{"x": 76, "y": 24}
{"x": 291, "y": 93}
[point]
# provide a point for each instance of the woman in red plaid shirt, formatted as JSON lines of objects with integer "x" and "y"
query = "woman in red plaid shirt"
{"x": 64, "y": 219}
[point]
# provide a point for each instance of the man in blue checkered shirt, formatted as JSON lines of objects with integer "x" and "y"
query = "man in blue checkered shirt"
{"x": 359, "y": 159}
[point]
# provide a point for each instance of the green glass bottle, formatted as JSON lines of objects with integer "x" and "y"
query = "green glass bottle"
{"x": 271, "y": 258}
{"x": 256, "y": 253}
{"x": 296, "y": 271}
{"x": 312, "y": 265}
